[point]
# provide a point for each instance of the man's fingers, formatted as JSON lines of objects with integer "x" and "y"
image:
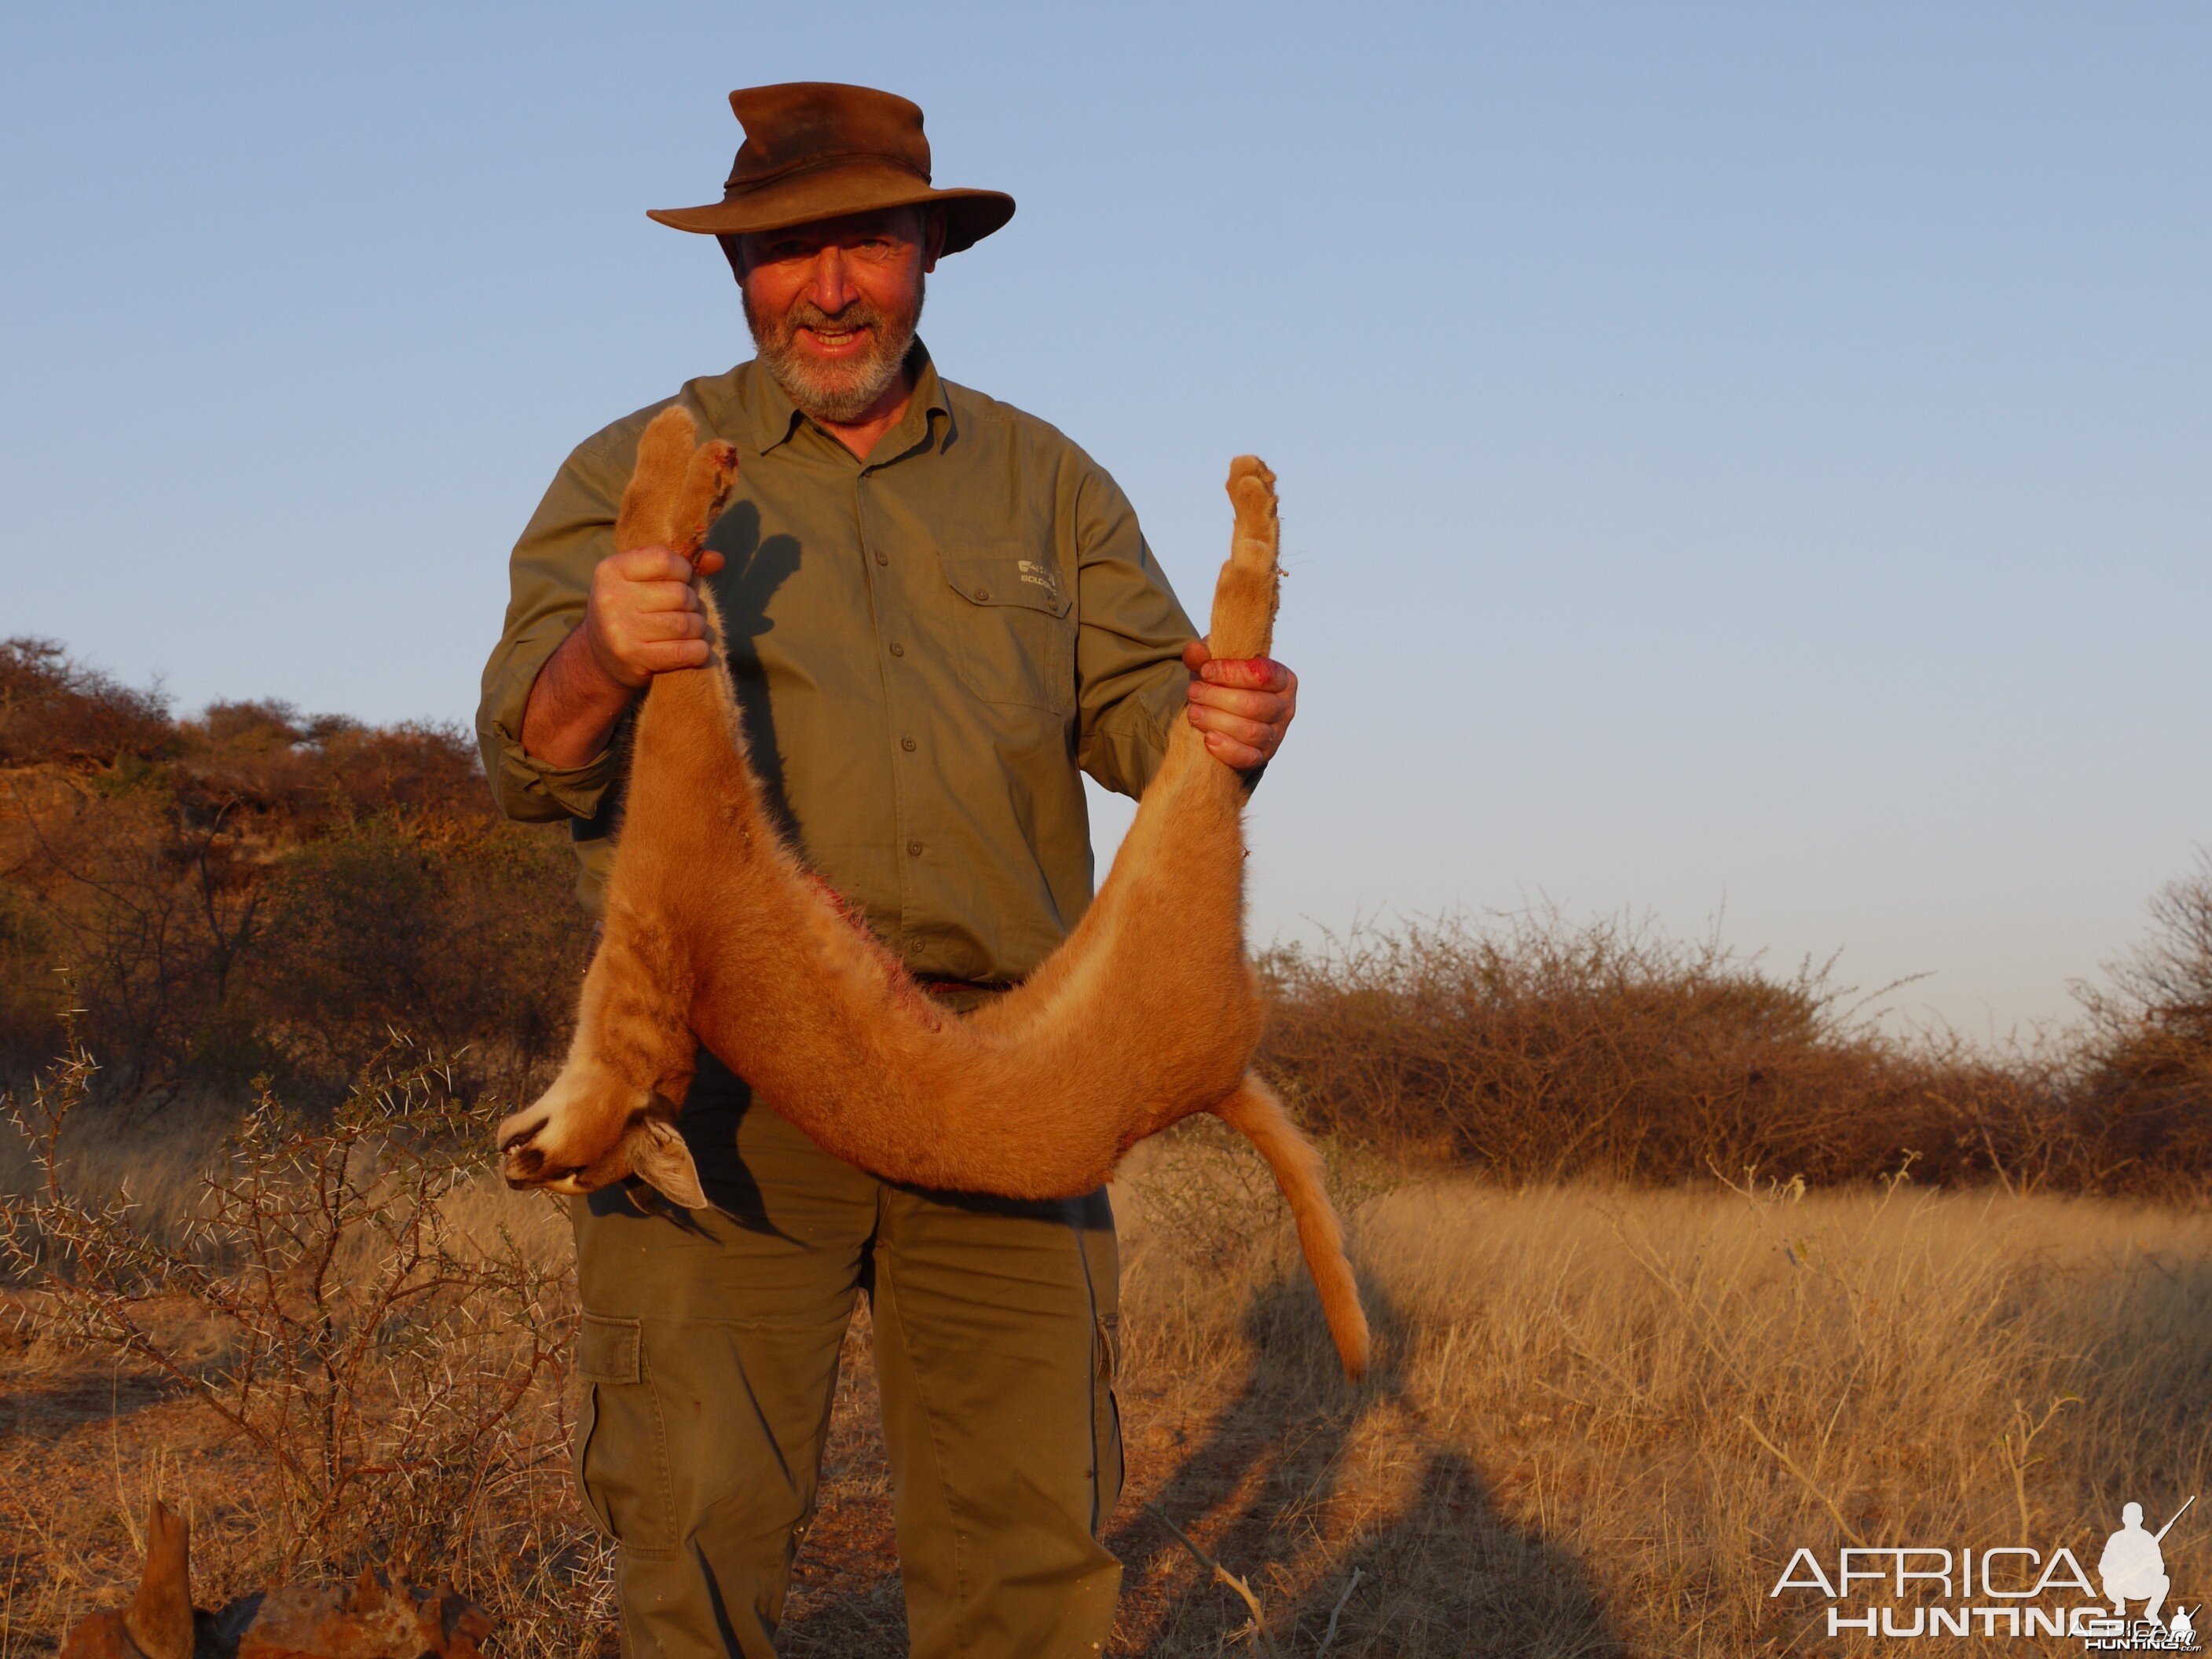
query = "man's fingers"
{"x": 651, "y": 564}
{"x": 1243, "y": 705}
{"x": 1246, "y": 673}
{"x": 1240, "y": 757}
{"x": 645, "y": 616}
{"x": 643, "y": 597}
{"x": 709, "y": 562}
{"x": 654, "y": 625}
{"x": 1264, "y": 706}
{"x": 1259, "y": 736}
{"x": 662, "y": 656}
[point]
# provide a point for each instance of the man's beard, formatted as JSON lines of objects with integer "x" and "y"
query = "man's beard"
{"x": 839, "y": 392}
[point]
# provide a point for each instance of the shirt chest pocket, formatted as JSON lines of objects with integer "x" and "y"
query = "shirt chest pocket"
{"x": 1009, "y": 635}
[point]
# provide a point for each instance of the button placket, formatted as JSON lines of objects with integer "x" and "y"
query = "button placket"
{"x": 882, "y": 595}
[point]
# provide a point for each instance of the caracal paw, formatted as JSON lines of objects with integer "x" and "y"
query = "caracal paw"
{"x": 1252, "y": 492}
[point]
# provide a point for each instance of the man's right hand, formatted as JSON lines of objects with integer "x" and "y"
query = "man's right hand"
{"x": 643, "y": 616}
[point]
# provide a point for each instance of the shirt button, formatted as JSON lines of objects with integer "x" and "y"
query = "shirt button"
{"x": 913, "y": 848}
{"x": 907, "y": 744}
{"x": 882, "y": 558}
{"x": 982, "y": 593}
{"x": 897, "y": 650}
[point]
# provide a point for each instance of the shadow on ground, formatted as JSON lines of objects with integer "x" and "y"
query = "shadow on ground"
{"x": 1267, "y": 1492}
{"x": 1273, "y": 1487}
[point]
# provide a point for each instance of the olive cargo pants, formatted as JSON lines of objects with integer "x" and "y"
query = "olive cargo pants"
{"x": 709, "y": 1345}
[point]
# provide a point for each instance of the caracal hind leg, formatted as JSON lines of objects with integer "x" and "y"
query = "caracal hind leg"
{"x": 1255, "y": 1112}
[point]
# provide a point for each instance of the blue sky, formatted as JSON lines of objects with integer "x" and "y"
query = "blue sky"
{"x": 1747, "y": 464}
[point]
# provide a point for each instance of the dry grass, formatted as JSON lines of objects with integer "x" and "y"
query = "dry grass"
{"x": 1606, "y": 1419}
{"x": 1602, "y": 1420}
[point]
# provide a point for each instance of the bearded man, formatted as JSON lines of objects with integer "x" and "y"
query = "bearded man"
{"x": 939, "y": 613}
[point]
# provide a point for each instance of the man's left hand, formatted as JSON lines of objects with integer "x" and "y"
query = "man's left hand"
{"x": 1242, "y": 705}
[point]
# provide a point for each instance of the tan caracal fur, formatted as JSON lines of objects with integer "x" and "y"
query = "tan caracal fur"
{"x": 715, "y": 933}
{"x": 375, "y": 1618}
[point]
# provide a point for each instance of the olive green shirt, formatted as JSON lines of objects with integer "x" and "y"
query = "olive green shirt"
{"x": 926, "y": 645}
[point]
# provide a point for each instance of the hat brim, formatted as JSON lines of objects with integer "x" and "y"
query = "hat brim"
{"x": 831, "y": 193}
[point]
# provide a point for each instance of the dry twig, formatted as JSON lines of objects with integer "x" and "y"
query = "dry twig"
{"x": 1260, "y": 1633}
{"x": 1336, "y": 1612}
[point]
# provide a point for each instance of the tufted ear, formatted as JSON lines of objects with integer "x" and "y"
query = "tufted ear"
{"x": 160, "y": 1616}
{"x": 658, "y": 1158}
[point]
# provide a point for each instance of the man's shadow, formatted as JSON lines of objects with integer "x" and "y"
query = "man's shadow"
{"x": 1448, "y": 1573}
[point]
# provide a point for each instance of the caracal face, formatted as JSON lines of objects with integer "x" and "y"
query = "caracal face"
{"x": 559, "y": 1142}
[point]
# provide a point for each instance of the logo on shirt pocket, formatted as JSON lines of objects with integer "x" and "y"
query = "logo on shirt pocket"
{"x": 1012, "y": 638}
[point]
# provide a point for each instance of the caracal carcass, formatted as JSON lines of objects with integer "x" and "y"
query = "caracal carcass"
{"x": 716, "y": 933}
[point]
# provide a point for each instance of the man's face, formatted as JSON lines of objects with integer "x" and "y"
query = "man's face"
{"x": 833, "y": 305}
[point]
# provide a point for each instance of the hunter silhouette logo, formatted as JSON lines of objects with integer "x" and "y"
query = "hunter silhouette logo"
{"x": 2133, "y": 1569}
{"x": 2007, "y": 1591}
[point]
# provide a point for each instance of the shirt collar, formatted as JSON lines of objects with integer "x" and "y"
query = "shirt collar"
{"x": 775, "y": 418}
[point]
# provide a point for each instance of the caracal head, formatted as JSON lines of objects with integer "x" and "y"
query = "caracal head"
{"x": 577, "y": 1139}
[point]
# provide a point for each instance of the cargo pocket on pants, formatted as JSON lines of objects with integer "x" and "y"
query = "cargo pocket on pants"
{"x": 621, "y": 1442}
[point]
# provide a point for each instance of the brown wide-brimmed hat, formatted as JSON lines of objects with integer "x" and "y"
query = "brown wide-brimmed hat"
{"x": 815, "y": 149}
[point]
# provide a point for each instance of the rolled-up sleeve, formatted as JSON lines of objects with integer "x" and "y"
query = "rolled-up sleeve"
{"x": 1131, "y": 683}
{"x": 550, "y": 578}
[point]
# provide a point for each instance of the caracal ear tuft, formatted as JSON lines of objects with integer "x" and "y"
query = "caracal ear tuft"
{"x": 658, "y": 1158}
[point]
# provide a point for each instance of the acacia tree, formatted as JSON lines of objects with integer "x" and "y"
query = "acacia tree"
{"x": 2146, "y": 1089}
